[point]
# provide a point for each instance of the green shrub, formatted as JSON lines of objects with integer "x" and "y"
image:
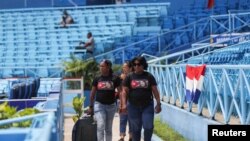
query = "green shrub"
{"x": 24, "y": 112}
{"x": 8, "y": 112}
{"x": 78, "y": 107}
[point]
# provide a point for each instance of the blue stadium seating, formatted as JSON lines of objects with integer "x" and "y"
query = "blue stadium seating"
{"x": 33, "y": 36}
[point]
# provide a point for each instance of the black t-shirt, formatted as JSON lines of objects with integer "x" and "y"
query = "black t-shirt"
{"x": 106, "y": 86}
{"x": 140, "y": 91}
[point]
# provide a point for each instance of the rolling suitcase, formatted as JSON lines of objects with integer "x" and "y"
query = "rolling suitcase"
{"x": 85, "y": 129}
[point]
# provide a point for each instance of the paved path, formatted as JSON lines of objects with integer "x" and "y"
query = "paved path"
{"x": 68, "y": 125}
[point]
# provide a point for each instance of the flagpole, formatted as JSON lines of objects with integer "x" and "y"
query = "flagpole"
{"x": 212, "y": 15}
{"x": 210, "y": 5}
{"x": 230, "y": 21}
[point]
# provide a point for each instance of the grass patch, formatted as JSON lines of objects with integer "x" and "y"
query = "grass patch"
{"x": 166, "y": 133}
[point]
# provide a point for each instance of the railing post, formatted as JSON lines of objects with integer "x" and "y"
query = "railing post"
{"x": 226, "y": 94}
{"x": 243, "y": 104}
{"x": 211, "y": 26}
{"x": 159, "y": 43}
{"x": 61, "y": 117}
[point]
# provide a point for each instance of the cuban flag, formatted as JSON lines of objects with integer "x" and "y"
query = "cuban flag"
{"x": 194, "y": 82}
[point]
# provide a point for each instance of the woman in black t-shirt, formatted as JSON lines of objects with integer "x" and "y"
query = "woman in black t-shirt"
{"x": 140, "y": 87}
{"x": 103, "y": 101}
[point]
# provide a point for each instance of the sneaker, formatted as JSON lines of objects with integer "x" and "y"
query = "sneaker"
{"x": 121, "y": 139}
{"x": 117, "y": 115}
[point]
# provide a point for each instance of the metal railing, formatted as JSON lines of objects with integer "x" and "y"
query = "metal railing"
{"x": 42, "y": 127}
{"x": 199, "y": 32}
{"x": 199, "y": 51}
{"x": 226, "y": 90}
{"x": 47, "y": 125}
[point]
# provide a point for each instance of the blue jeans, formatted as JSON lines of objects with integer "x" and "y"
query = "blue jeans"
{"x": 104, "y": 115}
{"x": 123, "y": 124}
{"x": 141, "y": 117}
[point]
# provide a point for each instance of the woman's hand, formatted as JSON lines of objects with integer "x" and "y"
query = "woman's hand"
{"x": 123, "y": 76}
{"x": 123, "y": 108}
{"x": 158, "y": 108}
{"x": 90, "y": 111}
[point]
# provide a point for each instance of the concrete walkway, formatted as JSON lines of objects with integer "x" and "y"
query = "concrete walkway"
{"x": 68, "y": 125}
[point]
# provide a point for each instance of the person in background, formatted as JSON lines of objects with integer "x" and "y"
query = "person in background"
{"x": 66, "y": 19}
{"x": 89, "y": 45}
{"x": 126, "y": 69}
{"x": 103, "y": 101}
{"x": 140, "y": 88}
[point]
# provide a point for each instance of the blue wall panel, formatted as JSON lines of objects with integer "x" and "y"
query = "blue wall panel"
{"x": 190, "y": 125}
{"x": 62, "y": 3}
{"x": 39, "y": 3}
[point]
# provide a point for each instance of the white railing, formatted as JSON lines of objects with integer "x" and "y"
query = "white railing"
{"x": 226, "y": 90}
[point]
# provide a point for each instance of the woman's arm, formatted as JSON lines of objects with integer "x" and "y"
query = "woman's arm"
{"x": 157, "y": 98}
{"x": 123, "y": 106}
{"x": 92, "y": 96}
{"x": 92, "y": 100}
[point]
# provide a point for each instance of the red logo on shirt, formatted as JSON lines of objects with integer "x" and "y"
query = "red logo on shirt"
{"x": 139, "y": 83}
{"x": 105, "y": 85}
